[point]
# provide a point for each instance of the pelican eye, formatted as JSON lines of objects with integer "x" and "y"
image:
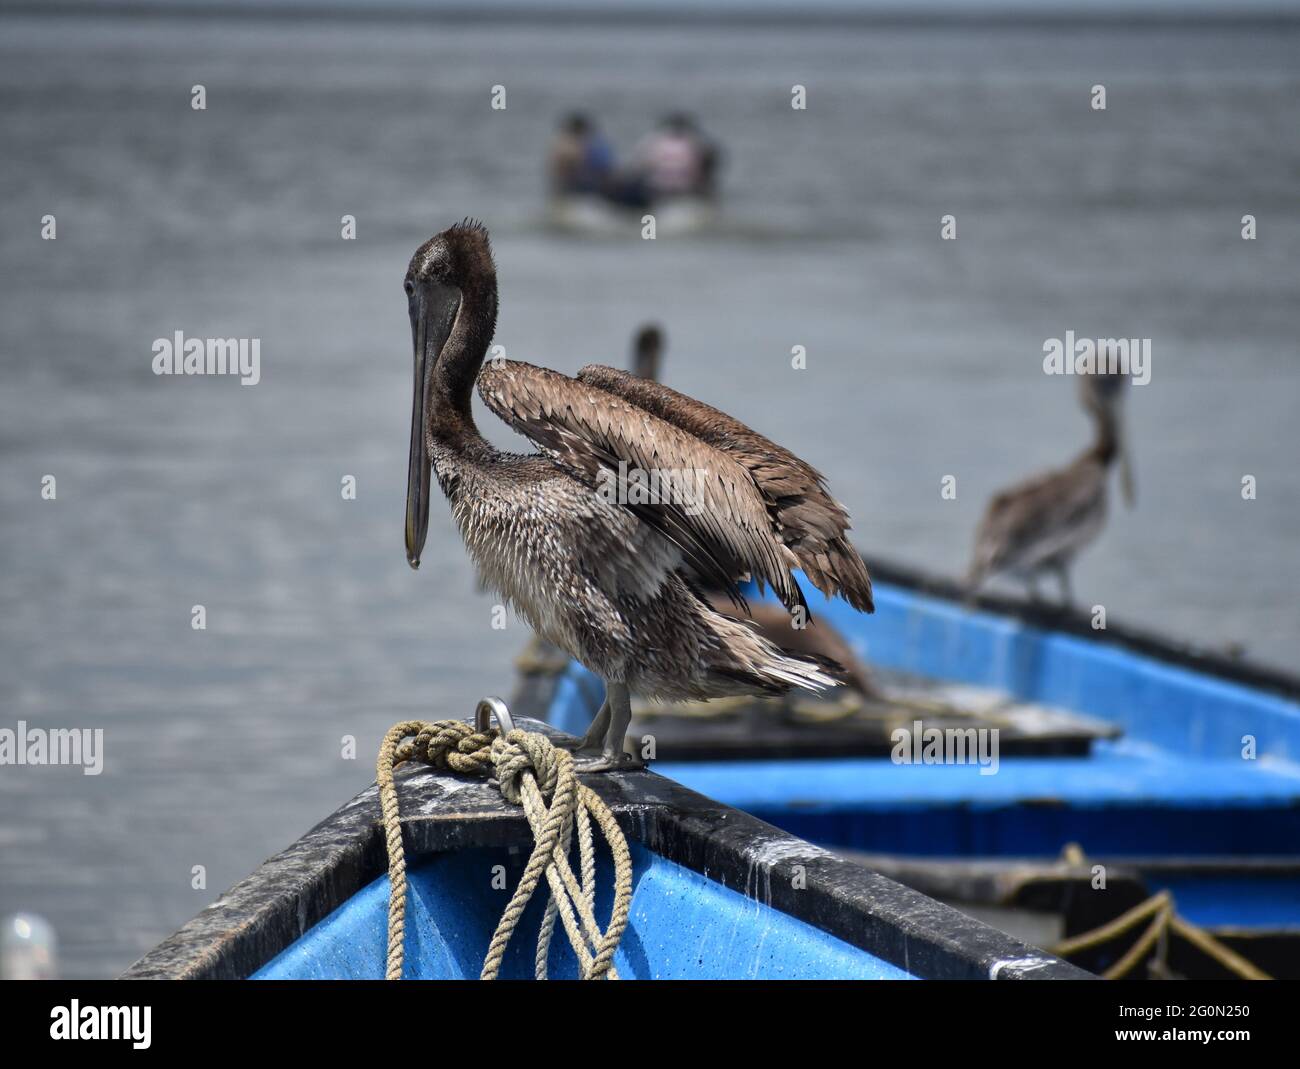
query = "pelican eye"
{"x": 409, "y": 286}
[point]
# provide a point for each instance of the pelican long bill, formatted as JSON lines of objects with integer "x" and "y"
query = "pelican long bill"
{"x": 432, "y": 311}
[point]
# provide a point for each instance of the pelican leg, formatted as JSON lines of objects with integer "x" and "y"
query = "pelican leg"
{"x": 618, "y": 706}
{"x": 1063, "y": 574}
{"x": 620, "y": 715}
{"x": 594, "y": 740}
{"x": 1031, "y": 585}
{"x": 595, "y": 737}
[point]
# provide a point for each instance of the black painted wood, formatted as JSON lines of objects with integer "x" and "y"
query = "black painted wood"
{"x": 770, "y": 728}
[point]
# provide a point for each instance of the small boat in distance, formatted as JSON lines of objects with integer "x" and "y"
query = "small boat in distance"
{"x": 594, "y": 216}
{"x": 672, "y": 176}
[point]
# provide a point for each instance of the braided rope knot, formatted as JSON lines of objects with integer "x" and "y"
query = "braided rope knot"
{"x": 531, "y": 772}
{"x": 522, "y": 752}
{"x": 448, "y": 745}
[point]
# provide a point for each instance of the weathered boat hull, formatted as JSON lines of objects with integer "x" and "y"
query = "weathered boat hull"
{"x": 717, "y": 894}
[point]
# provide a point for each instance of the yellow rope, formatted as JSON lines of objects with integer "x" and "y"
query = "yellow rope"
{"x": 1164, "y": 921}
{"x": 1125, "y": 922}
{"x": 533, "y": 773}
{"x": 1225, "y": 956}
{"x": 1138, "y": 951}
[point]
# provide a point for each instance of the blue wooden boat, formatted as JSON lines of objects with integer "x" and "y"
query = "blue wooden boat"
{"x": 1178, "y": 765}
{"x": 717, "y": 893}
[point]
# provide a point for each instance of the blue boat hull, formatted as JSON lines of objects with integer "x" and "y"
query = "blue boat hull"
{"x": 683, "y": 927}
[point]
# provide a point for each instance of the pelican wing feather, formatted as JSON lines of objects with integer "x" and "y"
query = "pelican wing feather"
{"x": 707, "y": 502}
{"x": 802, "y": 513}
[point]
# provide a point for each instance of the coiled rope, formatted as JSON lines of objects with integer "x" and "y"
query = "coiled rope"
{"x": 531, "y": 772}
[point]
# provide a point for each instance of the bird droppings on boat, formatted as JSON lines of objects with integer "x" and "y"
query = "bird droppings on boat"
{"x": 1019, "y": 964}
{"x": 767, "y": 855}
{"x": 369, "y": 795}
{"x": 774, "y": 851}
{"x": 447, "y": 788}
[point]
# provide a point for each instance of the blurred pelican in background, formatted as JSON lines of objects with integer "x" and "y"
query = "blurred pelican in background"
{"x": 1041, "y": 524}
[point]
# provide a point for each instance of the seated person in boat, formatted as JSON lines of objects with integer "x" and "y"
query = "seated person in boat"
{"x": 582, "y": 163}
{"x": 677, "y": 160}
{"x": 581, "y": 158}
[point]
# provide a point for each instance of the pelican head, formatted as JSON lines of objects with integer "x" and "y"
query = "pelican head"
{"x": 451, "y": 298}
{"x": 647, "y": 349}
{"x": 1103, "y": 395}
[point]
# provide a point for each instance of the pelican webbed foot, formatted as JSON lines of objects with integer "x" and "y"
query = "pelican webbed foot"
{"x": 605, "y": 761}
{"x": 601, "y": 749}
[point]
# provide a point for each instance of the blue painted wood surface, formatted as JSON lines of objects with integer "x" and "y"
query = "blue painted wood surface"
{"x": 1241, "y": 901}
{"x": 683, "y": 926}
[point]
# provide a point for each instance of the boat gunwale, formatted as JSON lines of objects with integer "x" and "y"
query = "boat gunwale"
{"x": 296, "y": 889}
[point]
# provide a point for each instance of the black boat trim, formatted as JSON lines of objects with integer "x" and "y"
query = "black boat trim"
{"x": 293, "y": 891}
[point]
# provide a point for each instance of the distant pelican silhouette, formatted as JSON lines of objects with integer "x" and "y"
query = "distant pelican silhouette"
{"x": 1041, "y": 524}
{"x": 648, "y": 351}
{"x": 614, "y": 584}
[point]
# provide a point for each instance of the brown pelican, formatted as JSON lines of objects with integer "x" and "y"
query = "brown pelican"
{"x": 1040, "y": 524}
{"x": 613, "y": 578}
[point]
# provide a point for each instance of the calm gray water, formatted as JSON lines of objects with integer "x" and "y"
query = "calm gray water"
{"x": 924, "y": 360}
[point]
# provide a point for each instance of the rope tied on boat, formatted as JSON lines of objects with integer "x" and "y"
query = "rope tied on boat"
{"x": 1163, "y": 921}
{"x": 531, "y": 772}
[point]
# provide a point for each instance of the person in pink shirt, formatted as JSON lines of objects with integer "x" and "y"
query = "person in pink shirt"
{"x": 676, "y": 160}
